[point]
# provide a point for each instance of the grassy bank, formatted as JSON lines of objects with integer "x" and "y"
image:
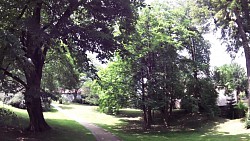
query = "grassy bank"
{"x": 63, "y": 129}
{"x": 127, "y": 125}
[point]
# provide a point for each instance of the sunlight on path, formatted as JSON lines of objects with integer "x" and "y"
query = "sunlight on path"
{"x": 99, "y": 133}
{"x": 233, "y": 127}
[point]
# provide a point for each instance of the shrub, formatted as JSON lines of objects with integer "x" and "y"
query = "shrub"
{"x": 190, "y": 104}
{"x": 77, "y": 100}
{"x": 60, "y": 100}
{"x": 241, "y": 109}
{"x": 8, "y": 117}
{"x": 208, "y": 98}
{"x": 17, "y": 101}
{"x": 46, "y": 102}
{"x": 92, "y": 99}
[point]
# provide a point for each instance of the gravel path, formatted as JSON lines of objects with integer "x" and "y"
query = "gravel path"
{"x": 99, "y": 133}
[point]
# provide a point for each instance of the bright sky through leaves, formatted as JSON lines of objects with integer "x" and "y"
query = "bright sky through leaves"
{"x": 219, "y": 56}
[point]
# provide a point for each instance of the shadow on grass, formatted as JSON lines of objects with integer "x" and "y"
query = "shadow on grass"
{"x": 62, "y": 130}
{"x": 181, "y": 121}
{"x": 130, "y": 113}
{"x": 182, "y": 126}
{"x": 206, "y": 134}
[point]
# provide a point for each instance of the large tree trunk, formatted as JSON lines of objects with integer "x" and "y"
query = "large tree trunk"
{"x": 34, "y": 105}
{"x": 247, "y": 55}
{"x": 245, "y": 44}
{"x": 33, "y": 94}
{"x": 34, "y": 108}
{"x": 33, "y": 41}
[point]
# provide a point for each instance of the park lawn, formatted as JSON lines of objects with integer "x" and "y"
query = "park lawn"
{"x": 181, "y": 136}
{"x": 130, "y": 118}
{"x": 63, "y": 129}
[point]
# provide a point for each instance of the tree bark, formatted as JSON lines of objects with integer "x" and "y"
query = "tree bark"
{"x": 149, "y": 117}
{"x": 145, "y": 120}
{"x": 33, "y": 73}
{"x": 245, "y": 44}
{"x": 34, "y": 108}
{"x": 164, "y": 114}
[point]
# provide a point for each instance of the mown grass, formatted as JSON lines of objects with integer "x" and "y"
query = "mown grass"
{"x": 63, "y": 129}
{"x": 182, "y": 136}
{"x": 127, "y": 126}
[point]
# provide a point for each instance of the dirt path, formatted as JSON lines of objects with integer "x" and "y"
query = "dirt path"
{"x": 233, "y": 127}
{"x": 99, "y": 133}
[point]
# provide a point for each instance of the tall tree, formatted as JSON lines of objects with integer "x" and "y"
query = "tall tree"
{"x": 158, "y": 67}
{"x": 28, "y": 29}
{"x": 166, "y": 56}
{"x": 115, "y": 85}
{"x": 232, "y": 18}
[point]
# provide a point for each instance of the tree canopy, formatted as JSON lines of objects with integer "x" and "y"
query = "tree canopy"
{"x": 232, "y": 18}
{"x": 167, "y": 59}
{"x": 30, "y": 29}
{"x": 157, "y": 53}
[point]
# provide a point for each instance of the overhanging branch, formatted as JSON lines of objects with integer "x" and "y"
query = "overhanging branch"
{"x": 13, "y": 77}
{"x": 73, "y": 5}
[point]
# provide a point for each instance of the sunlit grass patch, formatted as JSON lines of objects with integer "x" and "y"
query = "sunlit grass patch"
{"x": 90, "y": 114}
{"x": 127, "y": 125}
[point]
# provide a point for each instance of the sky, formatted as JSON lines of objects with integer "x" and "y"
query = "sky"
{"x": 219, "y": 56}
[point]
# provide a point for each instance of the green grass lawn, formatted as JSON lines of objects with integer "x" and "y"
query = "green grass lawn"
{"x": 63, "y": 129}
{"x": 126, "y": 124}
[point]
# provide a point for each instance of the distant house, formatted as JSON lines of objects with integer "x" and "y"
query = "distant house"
{"x": 222, "y": 99}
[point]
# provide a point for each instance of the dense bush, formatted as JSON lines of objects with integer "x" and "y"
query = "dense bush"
{"x": 60, "y": 100}
{"x": 64, "y": 100}
{"x": 190, "y": 104}
{"x": 92, "y": 99}
{"x": 240, "y": 110}
{"x": 205, "y": 100}
{"x": 17, "y": 101}
{"x": 90, "y": 93}
{"x": 208, "y": 99}
{"x": 46, "y": 102}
